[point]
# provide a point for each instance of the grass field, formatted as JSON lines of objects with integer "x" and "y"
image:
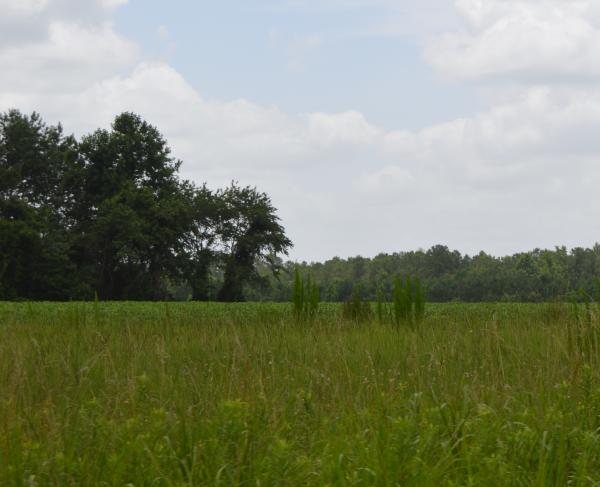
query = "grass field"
{"x": 206, "y": 394}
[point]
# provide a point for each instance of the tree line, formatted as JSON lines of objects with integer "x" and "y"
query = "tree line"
{"x": 447, "y": 275}
{"x": 108, "y": 216}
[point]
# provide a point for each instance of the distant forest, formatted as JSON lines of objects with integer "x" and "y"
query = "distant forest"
{"x": 539, "y": 275}
{"x": 107, "y": 216}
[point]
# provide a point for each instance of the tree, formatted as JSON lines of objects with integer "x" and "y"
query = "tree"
{"x": 131, "y": 213}
{"x": 441, "y": 260}
{"x": 202, "y": 241}
{"x": 250, "y": 230}
{"x": 34, "y": 240}
{"x": 34, "y": 159}
{"x": 110, "y": 215}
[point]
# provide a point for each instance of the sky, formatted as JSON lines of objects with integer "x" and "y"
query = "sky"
{"x": 374, "y": 125}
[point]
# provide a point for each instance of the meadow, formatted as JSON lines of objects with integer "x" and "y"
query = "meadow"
{"x": 182, "y": 394}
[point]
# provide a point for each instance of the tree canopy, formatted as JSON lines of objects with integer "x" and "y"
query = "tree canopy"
{"x": 537, "y": 275}
{"x": 108, "y": 215}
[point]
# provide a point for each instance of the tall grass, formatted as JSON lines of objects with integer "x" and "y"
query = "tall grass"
{"x": 305, "y": 297}
{"x": 206, "y": 394}
{"x": 356, "y": 309}
{"x": 408, "y": 301}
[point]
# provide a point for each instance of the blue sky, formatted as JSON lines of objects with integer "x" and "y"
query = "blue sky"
{"x": 300, "y": 59}
{"x": 374, "y": 125}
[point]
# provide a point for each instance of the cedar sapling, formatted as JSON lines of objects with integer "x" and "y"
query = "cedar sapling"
{"x": 305, "y": 297}
{"x": 419, "y": 301}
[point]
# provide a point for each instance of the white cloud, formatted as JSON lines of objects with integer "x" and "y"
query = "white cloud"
{"x": 22, "y": 8}
{"x": 59, "y": 46}
{"x": 110, "y": 4}
{"x": 70, "y": 57}
{"x": 521, "y": 39}
{"x": 349, "y": 128}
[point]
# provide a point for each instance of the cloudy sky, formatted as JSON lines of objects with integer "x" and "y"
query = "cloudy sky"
{"x": 375, "y": 125}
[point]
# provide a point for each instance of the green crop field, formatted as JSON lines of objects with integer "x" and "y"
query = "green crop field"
{"x": 204, "y": 394}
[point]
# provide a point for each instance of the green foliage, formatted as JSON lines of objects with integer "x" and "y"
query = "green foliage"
{"x": 250, "y": 230}
{"x": 105, "y": 393}
{"x": 584, "y": 330}
{"x": 305, "y": 297}
{"x": 419, "y": 301}
{"x": 446, "y": 275}
{"x": 403, "y": 301}
{"x": 314, "y": 299}
{"x": 109, "y": 214}
{"x": 34, "y": 249}
{"x": 381, "y": 306}
{"x": 298, "y": 294}
{"x": 355, "y": 309}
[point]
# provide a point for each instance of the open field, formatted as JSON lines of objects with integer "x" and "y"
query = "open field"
{"x": 207, "y": 394}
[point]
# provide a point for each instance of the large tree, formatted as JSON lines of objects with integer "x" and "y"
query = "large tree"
{"x": 251, "y": 232}
{"x": 34, "y": 240}
{"x": 132, "y": 211}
